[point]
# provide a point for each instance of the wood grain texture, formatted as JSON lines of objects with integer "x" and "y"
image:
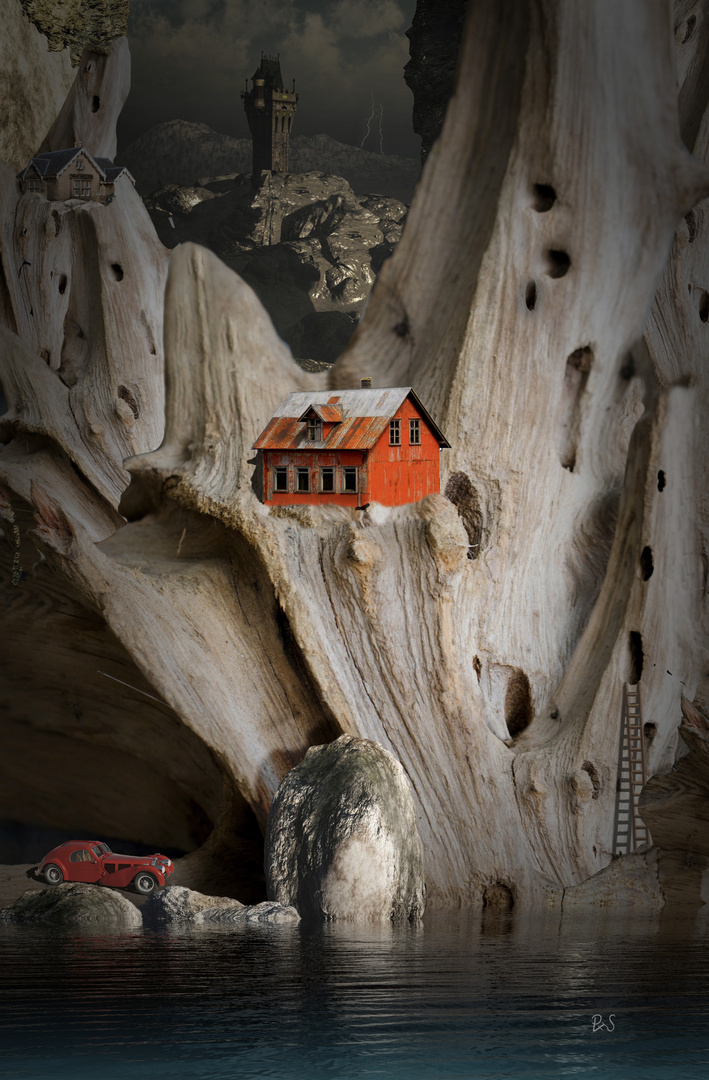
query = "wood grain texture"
{"x": 515, "y": 304}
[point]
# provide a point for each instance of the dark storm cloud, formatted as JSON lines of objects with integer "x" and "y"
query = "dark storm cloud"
{"x": 191, "y": 57}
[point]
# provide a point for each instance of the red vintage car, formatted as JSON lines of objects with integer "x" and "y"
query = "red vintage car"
{"x": 93, "y": 861}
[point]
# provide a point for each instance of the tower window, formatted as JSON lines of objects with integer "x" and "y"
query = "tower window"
{"x": 415, "y": 432}
{"x": 327, "y": 479}
{"x": 314, "y": 429}
{"x": 302, "y": 479}
{"x": 395, "y": 433}
{"x": 33, "y": 185}
{"x": 280, "y": 478}
{"x": 349, "y": 479}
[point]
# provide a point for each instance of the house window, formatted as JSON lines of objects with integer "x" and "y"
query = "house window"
{"x": 76, "y": 188}
{"x": 302, "y": 479}
{"x": 327, "y": 479}
{"x": 33, "y": 185}
{"x": 85, "y": 189}
{"x": 395, "y": 433}
{"x": 79, "y": 165}
{"x": 314, "y": 429}
{"x": 415, "y": 432}
{"x": 280, "y": 478}
{"x": 349, "y": 479}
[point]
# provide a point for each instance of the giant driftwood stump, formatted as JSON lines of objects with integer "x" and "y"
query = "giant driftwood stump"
{"x": 188, "y": 658}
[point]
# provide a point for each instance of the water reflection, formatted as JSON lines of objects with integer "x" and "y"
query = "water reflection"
{"x": 448, "y": 999}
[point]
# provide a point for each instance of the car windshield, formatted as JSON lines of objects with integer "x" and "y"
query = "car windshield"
{"x": 101, "y": 849}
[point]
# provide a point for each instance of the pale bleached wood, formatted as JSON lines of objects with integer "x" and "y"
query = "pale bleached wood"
{"x": 268, "y": 632}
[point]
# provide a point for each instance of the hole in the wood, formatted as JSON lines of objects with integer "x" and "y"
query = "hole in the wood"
{"x": 46, "y": 355}
{"x": 590, "y": 768}
{"x": 89, "y": 66}
{"x": 80, "y": 333}
{"x": 649, "y": 731}
{"x": 498, "y": 897}
{"x": 704, "y": 306}
{"x": 519, "y": 711}
{"x": 559, "y": 263}
{"x": 117, "y": 271}
{"x": 56, "y": 217}
{"x": 62, "y": 284}
{"x": 635, "y": 648}
{"x": 96, "y": 103}
{"x": 462, "y": 494}
{"x": 692, "y": 226}
{"x": 126, "y": 395}
{"x": 627, "y": 368}
{"x": 689, "y": 28}
{"x": 545, "y": 197}
{"x": 477, "y": 667}
{"x": 576, "y": 373}
{"x": 647, "y": 564}
{"x": 530, "y": 296}
{"x": 661, "y": 480}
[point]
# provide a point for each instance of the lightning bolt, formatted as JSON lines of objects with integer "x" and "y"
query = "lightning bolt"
{"x": 369, "y": 121}
{"x": 381, "y": 133}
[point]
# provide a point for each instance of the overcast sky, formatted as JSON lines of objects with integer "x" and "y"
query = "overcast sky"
{"x": 191, "y": 58}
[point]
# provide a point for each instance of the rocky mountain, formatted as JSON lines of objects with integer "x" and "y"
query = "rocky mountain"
{"x": 180, "y": 151}
{"x": 434, "y": 44}
{"x": 308, "y": 246}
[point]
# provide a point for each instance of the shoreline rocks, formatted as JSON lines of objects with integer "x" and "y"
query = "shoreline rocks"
{"x": 75, "y": 905}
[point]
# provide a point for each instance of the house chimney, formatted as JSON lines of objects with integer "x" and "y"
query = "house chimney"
{"x": 366, "y": 383}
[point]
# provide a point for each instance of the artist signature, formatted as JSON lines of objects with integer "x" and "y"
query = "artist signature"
{"x": 599, "y": 1024}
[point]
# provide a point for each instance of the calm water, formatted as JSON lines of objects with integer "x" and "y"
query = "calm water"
{"x": 447, "y": 1000}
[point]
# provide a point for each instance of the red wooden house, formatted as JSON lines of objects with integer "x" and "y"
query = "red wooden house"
{"x": 351, "y": 447}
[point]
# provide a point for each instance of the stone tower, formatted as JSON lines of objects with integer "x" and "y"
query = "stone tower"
{"x": 270, "y": 109}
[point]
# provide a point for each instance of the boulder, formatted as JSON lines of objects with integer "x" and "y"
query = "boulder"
{"x": 75, "y": 905}
{"x": 342, "y": 841}
{"x": 176, "y": 904}
{"x": 267, "y": 913}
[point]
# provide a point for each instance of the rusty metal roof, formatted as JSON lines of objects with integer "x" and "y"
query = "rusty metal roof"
{"x": 365, "y": 415}
{"x": 329, "y": 414}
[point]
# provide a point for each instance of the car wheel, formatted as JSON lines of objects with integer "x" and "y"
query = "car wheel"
{"x": 145, "y": 883}
{"x": 52, "y": 874}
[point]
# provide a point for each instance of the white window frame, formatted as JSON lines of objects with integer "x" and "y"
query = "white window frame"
{"x": 414, "y": 429}
{"x": 76, "y": 189}
{"x": 85, "y": 188}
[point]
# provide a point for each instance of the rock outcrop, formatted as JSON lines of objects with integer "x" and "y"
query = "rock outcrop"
{"x": 34, "y": 83}
{"x": 175, "y": 904}
{"x": 434, "y": 43}
{"x": 306, "y": 244}
{"x": 341, "y": 839}
{"x": 79, "y": 23}
{"x": 75, "y": 905}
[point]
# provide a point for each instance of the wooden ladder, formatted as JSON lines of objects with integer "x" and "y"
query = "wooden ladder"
{"x": 629, "y": 829}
